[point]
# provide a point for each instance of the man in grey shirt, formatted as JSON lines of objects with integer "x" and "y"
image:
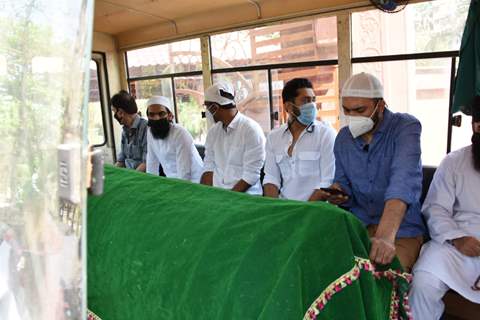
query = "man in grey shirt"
{"x": 133, "y": 153}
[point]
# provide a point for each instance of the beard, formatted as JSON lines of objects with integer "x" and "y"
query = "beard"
{"x": 476, "y": 150}
{"x": 159, "y": 128}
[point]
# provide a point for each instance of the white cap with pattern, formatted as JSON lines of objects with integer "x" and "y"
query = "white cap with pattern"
{"x": 221, "y": 92}
{"x": 161, "y": 100}
{"x": 362, "y": 85}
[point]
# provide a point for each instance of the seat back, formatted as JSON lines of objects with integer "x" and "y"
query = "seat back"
{"x": 428, "y": 172}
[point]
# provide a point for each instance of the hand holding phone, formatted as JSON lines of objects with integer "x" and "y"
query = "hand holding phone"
{"x": 337, "y": 195}
{"x": 334, "y": 192}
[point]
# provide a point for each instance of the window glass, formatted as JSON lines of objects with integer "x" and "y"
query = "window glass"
{"x": 325, "y": 84}
{"x": 420, "y": 88}
{"x": 175, "y": 57}
{"x": 306, "y": 40}
{"x": 144, "y": 89}
{"x": 251, "y": 94}
{"x": 422, "y": 27}
{"x": 96, "y": 132}
{"x": 189, "y": 95}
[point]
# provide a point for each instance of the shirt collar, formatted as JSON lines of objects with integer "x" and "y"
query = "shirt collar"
{"x": 234, "y": 123}
{"x": 136, "y": 122}
{"x": 387, "y": 118}
{"x": 308, "y": 129}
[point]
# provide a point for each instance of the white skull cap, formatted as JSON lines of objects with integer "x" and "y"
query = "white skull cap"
{"x": 362, "y": 85}
{"x": 161, "y": 100}
{"x": 221, "y": 92}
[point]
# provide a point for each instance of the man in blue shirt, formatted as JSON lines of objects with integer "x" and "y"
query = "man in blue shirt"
{"x": 133, "y": 152}
{"x": 378, "y": 167}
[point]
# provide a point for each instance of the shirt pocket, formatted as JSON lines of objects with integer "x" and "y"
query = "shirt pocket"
{"x": 284, "y": 165}
{"x": 309, "y": 163}
{"x": 235, "y": 156}
{"x": 132, "y": 151}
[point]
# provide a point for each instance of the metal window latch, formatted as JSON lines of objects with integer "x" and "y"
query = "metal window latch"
{"x": 274, "y": 115}
{"x": 457, "y": 120}
{"x": 69, "y": 172}
{"x": 98, "y": 177}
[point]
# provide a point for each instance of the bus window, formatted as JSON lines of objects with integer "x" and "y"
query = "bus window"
{"x": 251, "y": 94}
{"x": 142, "y": 90}
{"x": 275, "y": 54}
{"x": 189, "y": 105}
{"x": 96, "y": 129}
{"x": 415, "y": 68}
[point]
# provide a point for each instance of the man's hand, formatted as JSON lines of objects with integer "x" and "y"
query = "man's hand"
{"x": 469, "y": 246}
{"x": 337, "y": 199}
{"x": 382, "y": 251}
{"x": 120, "y": 164}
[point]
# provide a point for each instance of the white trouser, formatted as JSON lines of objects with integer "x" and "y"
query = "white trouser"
{"x": 425, "y": 297}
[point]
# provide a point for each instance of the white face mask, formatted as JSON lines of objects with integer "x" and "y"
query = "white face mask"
{"x": 359, "y": 125}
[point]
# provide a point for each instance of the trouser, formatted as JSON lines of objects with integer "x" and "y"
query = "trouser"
{"x": 425, "y": 297}
{"x": 407, "y": 248}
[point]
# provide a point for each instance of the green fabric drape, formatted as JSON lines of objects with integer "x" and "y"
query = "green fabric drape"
{"x": 467, "y": 84}
{"x": 167, "y": 249}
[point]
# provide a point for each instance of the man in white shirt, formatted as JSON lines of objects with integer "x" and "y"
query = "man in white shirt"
{"x": 299, "y": 154}
{"x": 451, "y": 260}
{"x": 235, "y": 146}
{"x": 169, "y": 144}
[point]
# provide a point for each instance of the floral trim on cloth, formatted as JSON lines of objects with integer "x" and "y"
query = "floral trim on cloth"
{"x": 92, "y": 316}
{"x": 352, "y": 275}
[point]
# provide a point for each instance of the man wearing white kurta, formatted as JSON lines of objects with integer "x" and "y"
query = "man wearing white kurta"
{"x": 299, "y": 154}
{"x": 235, "y": 146}
{"x": 169, "y": 144}
{"x": 451, "y": 260}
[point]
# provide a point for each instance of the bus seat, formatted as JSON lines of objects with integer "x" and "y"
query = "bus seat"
{"x": 428, "y": 172}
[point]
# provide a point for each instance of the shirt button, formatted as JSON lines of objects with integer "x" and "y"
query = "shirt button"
{"x": 370, "y": 181}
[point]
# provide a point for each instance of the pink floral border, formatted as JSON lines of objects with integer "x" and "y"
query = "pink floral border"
{"x": 347, "y": 279}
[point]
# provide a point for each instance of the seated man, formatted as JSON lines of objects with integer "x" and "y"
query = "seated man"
{"x": 451, "y": 260}
{"x": 378, "y": 167}
{"x": 169, "y": 144}
{"x": 133, "y": 151}
{"x": 299, "y": 154}
{"x": 235, "y": 146}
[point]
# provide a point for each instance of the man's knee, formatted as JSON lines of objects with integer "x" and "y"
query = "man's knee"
{"x": 426, "y": 284}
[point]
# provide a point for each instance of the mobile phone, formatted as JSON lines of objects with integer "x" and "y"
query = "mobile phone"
{"x": 334, "y": 192}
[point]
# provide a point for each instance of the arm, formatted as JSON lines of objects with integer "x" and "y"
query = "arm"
{"x": 438, "y": 205}
{"x": 327, "y": 165}
{"x": 152, "y": 162}
{"x": 341, "y": 181}
{"x": 184, "y": 155}
{"x": 241, "y": 186}
{"x": 272, "y": 179}
{"x": 141, "y": 167}
{"x": 405, "y": 183}
{"x": 209, "y": 160}
{"x": 143, "y": 143}
{"x": 253, "y": 159}
{"x": 404, "y": 188}
{"x": 121, "y": 155}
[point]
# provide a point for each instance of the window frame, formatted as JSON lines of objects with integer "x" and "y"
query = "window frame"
{"x": 99, "y": 59}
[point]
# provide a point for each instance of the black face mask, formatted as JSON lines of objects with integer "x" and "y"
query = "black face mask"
{"x": 159, "y": 128}
{"x": 476, "y": 150}
{"x": 119, "y": 119}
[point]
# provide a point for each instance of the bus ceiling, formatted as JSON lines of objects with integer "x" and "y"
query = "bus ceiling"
{"x": 136, "y": 23}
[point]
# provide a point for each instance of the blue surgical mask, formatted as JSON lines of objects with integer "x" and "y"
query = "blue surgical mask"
{"x": 308, "y": 113}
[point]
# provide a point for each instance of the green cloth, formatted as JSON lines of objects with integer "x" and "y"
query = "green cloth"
{"x": 161, "y": 248}
{"x": 467, "y": 84}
